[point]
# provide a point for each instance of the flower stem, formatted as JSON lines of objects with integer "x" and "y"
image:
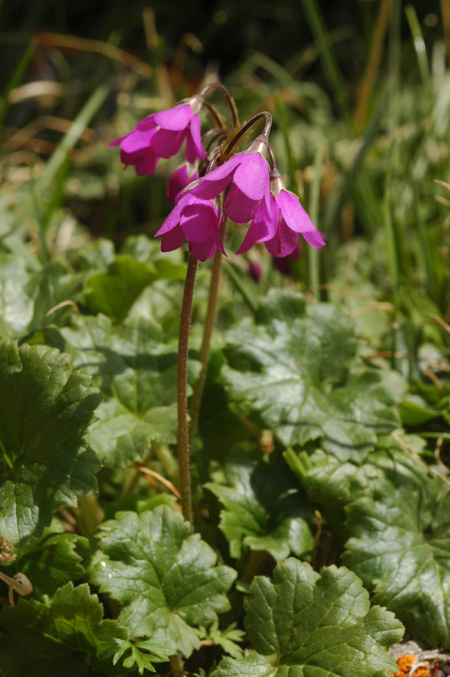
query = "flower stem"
{"x": 206, "y": 343}
{"x": 183, "y": 427}
{"x": 226, "y": 93}
{"x": 246, "y": 127}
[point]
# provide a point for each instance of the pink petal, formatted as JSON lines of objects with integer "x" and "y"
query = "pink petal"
{"x": 284, "y": 242}
{"x": 263, "y": 226}
{"x": 238, "y": 207}
{"x": 181, "y": 178}
{"x": 147, "y": 123}
{"x": 174, "y": 119}
{"x": 194, "y": 147}
{"x": 173, "y": 219}
{"x": 172, "y": 240}
{"x": 136, "y": 141}
{"x": 204, "y": 250}
{"x": 252, "y": 176}
{"x": 166, "y": 144}
{"x": 297, "y": 219}
{"x": 217, "y": 180}
{"x": 199, "y": 221}
{"x": 145, "y": 163}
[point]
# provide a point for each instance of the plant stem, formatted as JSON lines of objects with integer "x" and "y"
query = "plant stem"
{"x": 206, "y": 343}
{"x": 176, "y": 664}
{"x": 183, "y": 427}
{"x": 253, "y": 565}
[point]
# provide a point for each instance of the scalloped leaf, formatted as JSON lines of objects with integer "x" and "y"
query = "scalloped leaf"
{"x": 137, "y": 372}
{"x": 302, "y": 380}
{"x": 63, "y": 636}
{"x": 46, "y": 409}
{"x": 331, "y": 482}
{"x": 400, "y": 548}
{"x": 166, "y": 580}
{"x": 50, "y": 561}
{"x": 312, "y": 625}
{"x": 264, "y": 509}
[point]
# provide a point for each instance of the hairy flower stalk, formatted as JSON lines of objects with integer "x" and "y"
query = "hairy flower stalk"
{"x": 216, "y": 180}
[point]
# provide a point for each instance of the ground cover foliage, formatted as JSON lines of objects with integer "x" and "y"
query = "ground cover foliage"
{"x": 320, "y": 466}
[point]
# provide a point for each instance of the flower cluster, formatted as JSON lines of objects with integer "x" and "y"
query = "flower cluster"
{"x": 215, "y": 183}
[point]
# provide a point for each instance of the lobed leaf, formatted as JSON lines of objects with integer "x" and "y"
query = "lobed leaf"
{"x": 303, "y": 624}
{"x": 166, "y": 580}
{"x": 264, "y": 509}
{"x": 63, "y": 636}
{"x": 400, "y": 548}
{"x": 136, "y": 371}
{"x": 50, "y": 561}
{"x": 46, "y": 409}
{"x": 302, "y": 380}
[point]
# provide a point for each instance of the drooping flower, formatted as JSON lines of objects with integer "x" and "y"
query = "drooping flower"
{"x": 278, "y": 220}
{"x": 196, "y": 220}
{"x": 247, "y": 174}
{"x": 179, "y": 180}
{"x": 160, "y": 135}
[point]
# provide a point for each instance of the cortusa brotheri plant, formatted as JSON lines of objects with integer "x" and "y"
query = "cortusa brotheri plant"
{"x": 217, "y": 181}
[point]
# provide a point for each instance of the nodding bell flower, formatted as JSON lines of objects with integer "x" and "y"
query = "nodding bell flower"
{"x": 278, "y": 221}
{"x": 196, "y": 220}
{"x": 160, "y": 135}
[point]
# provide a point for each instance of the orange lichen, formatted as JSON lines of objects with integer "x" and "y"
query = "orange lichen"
{"x": 405, "y": 664}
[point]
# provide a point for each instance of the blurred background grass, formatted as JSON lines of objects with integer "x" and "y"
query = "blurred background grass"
{"x": 360, "y": 93}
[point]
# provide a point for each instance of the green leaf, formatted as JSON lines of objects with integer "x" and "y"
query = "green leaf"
{"x": 400, "y": 548}
{"x": 138, "y": 657}
{"x": 264, "y": 509}
{"x": 138, "y": 374}
{"x": 330, "y": 481}
{"x": 63, "y": 636}
{"x": 16, "y": 306}
{"x": 46, "y": 409}
{"x": 167, "y": 581}
{"x": 50, "y": 562}
{"x": 49, "y": 287}
{"x": 226, "y": 638}
{"x": 115, "y": 291}
{"x": 312, "y": 625}
{"x": 302, "y": 380}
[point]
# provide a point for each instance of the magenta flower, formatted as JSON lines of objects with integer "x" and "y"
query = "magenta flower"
{"x": 278, "y": 221}
{"x": 160, "y": 135}
{"x": 247, "y": 174}
{"x": 196, "y": 220}
{"x": 179, "y": 180}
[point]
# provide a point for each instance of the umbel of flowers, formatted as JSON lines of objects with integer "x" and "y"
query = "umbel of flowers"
{"x": 218, "y": 180}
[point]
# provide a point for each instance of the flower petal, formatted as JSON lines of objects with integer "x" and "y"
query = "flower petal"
{"x": 297, "y": 219}
{"x": 194, "y": 147}
{"x": 173, "y": 219}
{"x": 199, "y": 220}
{"x": 238, "y": 207}
{"x": 252, "y": 176}
{"x": 284, "y": 242}
{"x": 264, "y": 224}
{"x": 172, "y": 240}
{"x": 166, "y": 144}
{"x": 216, "y": 181}
{"x": 174, "y": 119}
{"x": 136, "y": 141}
{"x": 181, "y": 178}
